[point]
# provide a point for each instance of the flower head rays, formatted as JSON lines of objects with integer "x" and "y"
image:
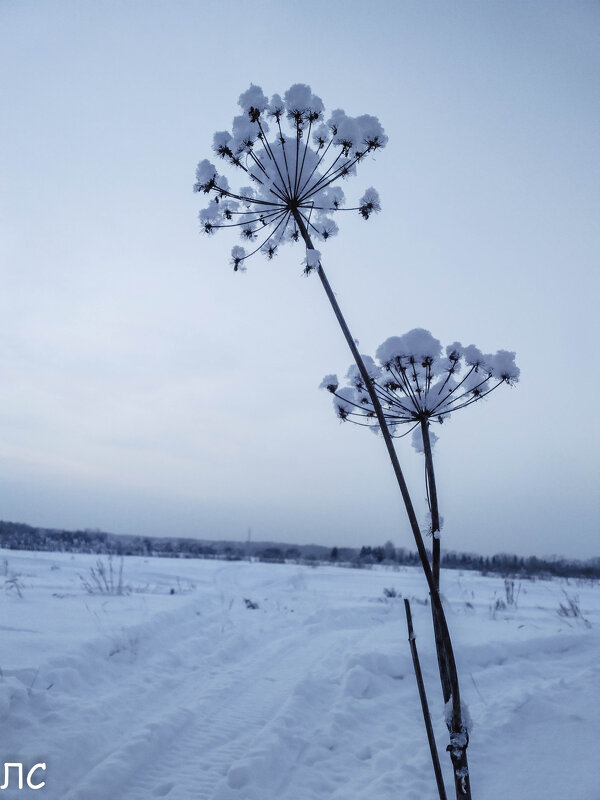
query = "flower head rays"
{"x": 415, "y": 382}
{"x": 291, "y": 159}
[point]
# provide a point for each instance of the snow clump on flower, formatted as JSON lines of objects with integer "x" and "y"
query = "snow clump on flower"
{"x": 313, "y": 259}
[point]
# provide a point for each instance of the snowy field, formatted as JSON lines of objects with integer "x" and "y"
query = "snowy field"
{"x": 310, "y": 696}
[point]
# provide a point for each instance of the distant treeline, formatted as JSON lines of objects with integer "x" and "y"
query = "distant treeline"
{"x": 502, "y": 563}
{"x": 18, "y": 536}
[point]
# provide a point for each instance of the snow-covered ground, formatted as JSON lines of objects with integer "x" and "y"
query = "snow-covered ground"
{"x": 310, "y": 696}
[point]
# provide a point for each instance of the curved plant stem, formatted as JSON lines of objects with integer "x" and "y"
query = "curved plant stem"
{"x": 458, "y": 735}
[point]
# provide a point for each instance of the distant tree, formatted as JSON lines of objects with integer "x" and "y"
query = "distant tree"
{"x": 147, "y": 545}
{"x": 271, "y": 554}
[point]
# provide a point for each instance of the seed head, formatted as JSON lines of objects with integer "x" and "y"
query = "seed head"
{"x": 293, "y": 157}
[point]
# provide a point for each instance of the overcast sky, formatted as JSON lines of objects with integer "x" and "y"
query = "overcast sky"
{"x": 148, "y": 389}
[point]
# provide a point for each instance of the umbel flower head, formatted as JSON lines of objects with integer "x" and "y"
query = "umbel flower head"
{"x": 292, "y": 157}
{"x": 416, "y": 382}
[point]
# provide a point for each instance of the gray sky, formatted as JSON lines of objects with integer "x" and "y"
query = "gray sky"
{"x": 148, "y": 389}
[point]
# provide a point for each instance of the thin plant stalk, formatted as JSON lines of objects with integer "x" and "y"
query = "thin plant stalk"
{"x": 424, "y": 705}
{"x": 433, "y": 502}
{"x": 444, "y": 668}
{"x": 435, "y": 554}
{"x": 458, "y": 737}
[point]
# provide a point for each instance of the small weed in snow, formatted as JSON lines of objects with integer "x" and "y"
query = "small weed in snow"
{"x": 12, "y": 580}
{"x": 104, "y": 579}
{"x": 497, "y": 605}
{"x": 570, "y": 609}
{"x": 509, "y": 590}
{"x": 13, "y": 585}
{"x": 509, "y": 601}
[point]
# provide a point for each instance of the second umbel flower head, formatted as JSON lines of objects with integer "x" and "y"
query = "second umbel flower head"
{"x": 417, "y": 381}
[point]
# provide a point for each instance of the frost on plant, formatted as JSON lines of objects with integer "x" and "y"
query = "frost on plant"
{"x": 416, "y": 380}
{"x": 292, "y": 155}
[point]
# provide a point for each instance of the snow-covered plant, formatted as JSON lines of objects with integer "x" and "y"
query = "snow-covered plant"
{"x": 417, "y": 382}
{"x": 12, "y": 580}
{"x": 571, "y": 609}
{"x": 293, "y": 156}
{"x": 411, "y": 383}
{"x": 13, "y": 583}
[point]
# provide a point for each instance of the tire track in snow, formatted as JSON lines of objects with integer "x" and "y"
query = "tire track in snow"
{"x": 227, "y": 721}
{"x": 216, "y": 713}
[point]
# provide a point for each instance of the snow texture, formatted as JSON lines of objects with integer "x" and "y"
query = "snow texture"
{"x": 313, "y": 259}
{"x": 329, "y": 382}
{"x": 418, "y": 344}
{"x": 370, "y": 203}
{"x": 312, "y": 696}
{"x": 417, "y": 439}
{"x": 253, "y": 99}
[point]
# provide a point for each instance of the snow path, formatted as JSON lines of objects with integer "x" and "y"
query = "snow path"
{"x": 310, "y": 696}
{"x": 229, "y": 711}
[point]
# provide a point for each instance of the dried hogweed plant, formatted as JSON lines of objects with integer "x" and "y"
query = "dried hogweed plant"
{"x": 416, "y": 386}
{"x": 292, "y": 158}
{"x": 292, "y": 174}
